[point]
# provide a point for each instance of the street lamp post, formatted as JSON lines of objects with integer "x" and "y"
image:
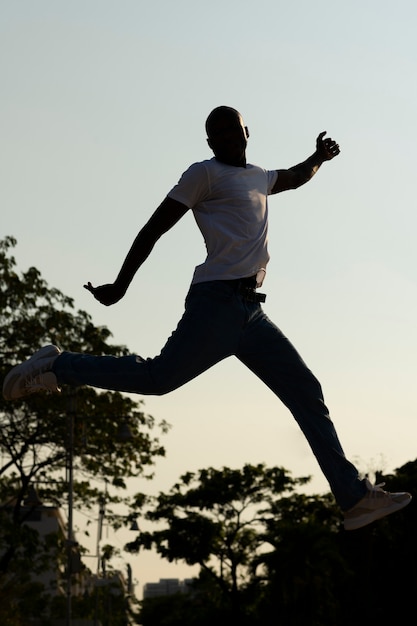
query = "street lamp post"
{"x": 124, "y": 434}
{"x": 71, "y": 410}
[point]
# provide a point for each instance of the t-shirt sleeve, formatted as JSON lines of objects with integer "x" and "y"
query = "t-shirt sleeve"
{"x": 272, "y": 179}
{"x": 192, "y": 187}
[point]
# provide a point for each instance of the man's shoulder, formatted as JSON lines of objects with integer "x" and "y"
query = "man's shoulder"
{"x": 212, "y": 169}
{"x": 256, "y": 168}
{"x": 202, "y": 164}
{"x": 215, "y": 164}
{"x": 197, "y": 168}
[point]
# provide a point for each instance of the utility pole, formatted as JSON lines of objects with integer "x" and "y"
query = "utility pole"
{"x": 71, "y": 410}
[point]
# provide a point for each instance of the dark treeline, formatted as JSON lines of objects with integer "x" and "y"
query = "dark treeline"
{"x": 310, "y": 571}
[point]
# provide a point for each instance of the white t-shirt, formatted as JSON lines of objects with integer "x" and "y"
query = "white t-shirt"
{"x": 231, "y": 210}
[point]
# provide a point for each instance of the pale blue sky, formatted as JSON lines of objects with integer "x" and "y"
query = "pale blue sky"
{"x": 102, "y": 108}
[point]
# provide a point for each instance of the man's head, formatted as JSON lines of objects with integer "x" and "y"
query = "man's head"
{"x": 227, "y": 135}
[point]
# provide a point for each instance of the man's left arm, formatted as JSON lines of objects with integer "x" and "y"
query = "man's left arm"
{"x": 294, "y": 177}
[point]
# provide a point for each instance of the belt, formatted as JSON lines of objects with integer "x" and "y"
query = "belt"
{"x": 246, "y": 287}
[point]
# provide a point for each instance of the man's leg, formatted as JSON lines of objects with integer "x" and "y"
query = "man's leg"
{"x": 207, "y": 333}
{"x": 270, "y": 355}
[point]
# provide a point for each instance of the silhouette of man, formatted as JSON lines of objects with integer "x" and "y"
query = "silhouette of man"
{"x": 223, "y": 315}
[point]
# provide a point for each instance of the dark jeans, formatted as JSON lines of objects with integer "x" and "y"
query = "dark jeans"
{"x": 219, "y": 322}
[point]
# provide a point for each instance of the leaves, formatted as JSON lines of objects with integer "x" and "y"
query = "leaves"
{"x": 40, "y": 432}
{"x": 217, "y": 518}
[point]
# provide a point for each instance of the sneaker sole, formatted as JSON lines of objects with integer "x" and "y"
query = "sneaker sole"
{"x": 375, "y": 515}
{"x": 15, "y": 373}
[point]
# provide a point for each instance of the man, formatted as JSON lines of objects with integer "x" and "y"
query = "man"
{"x": 223, "y": 315}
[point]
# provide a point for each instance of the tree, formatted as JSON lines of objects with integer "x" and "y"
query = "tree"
{"x": 38, "y": 432}
{"x": 383, "y": 557}
{"x": 216, "y": 519}
{"x": 270, "y": 555}
{"x": 304, "y": 568}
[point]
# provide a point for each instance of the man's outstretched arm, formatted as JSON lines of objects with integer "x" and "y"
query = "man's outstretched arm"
{"x": 326, "y": 149}
{"x": 165, "y": 217}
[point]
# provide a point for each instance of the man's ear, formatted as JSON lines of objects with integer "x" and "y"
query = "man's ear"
{"x": 209, "y": 143}
{"x": 247, "y": 132}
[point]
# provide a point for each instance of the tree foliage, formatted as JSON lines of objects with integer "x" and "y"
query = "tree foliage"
{"x": 270, "y": 555}
{"x": 217, "y": 519}
{"x": 38, "y": 432}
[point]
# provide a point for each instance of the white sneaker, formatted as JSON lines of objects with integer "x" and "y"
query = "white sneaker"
{"x": 33, "y": 375}
{"x": 376, "y": 504}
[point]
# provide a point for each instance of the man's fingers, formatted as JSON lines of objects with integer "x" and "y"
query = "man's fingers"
{"x": 89, "y": 287}
{"x": 330, "y": 147}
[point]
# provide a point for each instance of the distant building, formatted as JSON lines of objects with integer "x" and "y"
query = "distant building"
{"x": 167, "y": 587}
{"x": 47, "y": 521}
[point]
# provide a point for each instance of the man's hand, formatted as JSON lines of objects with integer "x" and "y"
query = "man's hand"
{"x": 327, "y": 149}
{"x": 106, "y": 294}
